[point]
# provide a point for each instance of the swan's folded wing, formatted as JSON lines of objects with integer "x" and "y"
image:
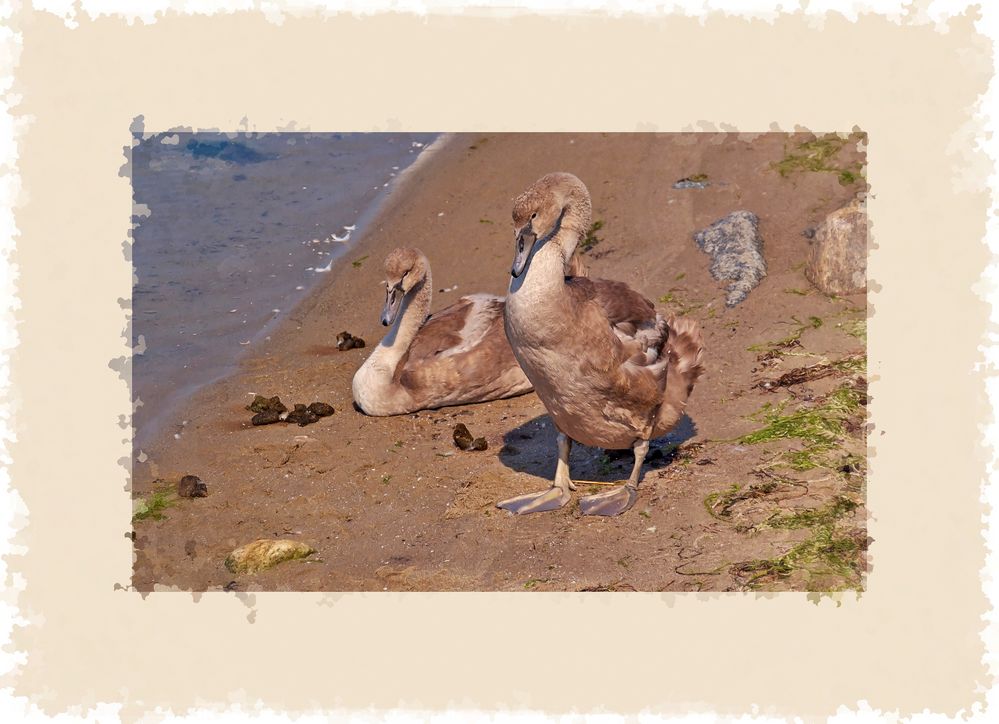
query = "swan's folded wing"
{"x": 441, "y": 331}
{"x": 462, "y": 348}
{"x": 630, "y": 316}
{"x": 622, "y": 305}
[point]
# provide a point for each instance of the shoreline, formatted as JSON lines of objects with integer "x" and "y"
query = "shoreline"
{"x": 167, "y": 424}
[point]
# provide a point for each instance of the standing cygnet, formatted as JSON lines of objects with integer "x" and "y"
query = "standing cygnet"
{"x": 456, "y": 356}
{"x": 611, "y": 372}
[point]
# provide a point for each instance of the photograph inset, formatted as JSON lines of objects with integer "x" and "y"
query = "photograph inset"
{"x": 499, "y": 362}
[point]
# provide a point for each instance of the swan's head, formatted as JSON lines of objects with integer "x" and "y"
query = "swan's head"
{"x": 404, "y": 269}
{"x": 541, "y": 211}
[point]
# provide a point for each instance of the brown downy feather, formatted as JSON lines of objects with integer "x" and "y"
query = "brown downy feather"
{"x": 576, "y": 267}
{"x": 685, "y": 350}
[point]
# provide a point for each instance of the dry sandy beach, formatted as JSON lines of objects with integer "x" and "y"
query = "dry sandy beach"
{"x": 392, "y": 504}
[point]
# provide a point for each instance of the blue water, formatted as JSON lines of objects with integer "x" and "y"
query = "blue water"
{"x": 232, "y": 232}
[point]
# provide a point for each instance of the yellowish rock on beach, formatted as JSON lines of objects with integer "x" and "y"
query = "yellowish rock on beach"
{"x": 264, "y": 553}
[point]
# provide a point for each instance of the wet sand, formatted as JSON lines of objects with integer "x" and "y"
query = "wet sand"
{"x": 391, "y": 504}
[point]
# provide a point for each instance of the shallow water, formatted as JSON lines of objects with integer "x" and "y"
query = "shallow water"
{"x": 231, "y": 233}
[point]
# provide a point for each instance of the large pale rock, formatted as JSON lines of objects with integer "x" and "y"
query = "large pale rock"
{"x": 736, "y": 250}
{"x": 838, "y": 262}
{"x": 265, "y": 553}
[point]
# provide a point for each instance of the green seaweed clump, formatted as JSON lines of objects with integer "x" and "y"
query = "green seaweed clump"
{"x": 591, "y": 239}
{"x": 830, "y": 557}
{"x": 811, "y": 517}
{"x": 719, "y": 504}
{"x": 821, "y": 427}
{"x": 678, "y": 305}
{"x": 152, "y": 507}
{"x": 855, "y": 328}
{"x": 819, "y": 156}
{"x": 773, "y": 349}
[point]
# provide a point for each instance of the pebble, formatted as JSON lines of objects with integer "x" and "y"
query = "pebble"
{"x": 265, "y": 553}
{"x": 191, "y": 486}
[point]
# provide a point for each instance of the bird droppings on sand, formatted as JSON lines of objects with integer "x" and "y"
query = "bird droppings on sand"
{"x": 345, "y": 341}
{"x": 191, "y": 486}
{"x": 736, "y": 248}
{"x": 271, "y": 410}
{"x": 464, "y": 440}
{"x": 267, "y": 417}
{"x": 263, "y": 554}
{"x": 321, "y": 409}
{"x": 301, "y": 416}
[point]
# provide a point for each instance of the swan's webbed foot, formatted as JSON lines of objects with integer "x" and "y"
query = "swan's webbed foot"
{"x": 620, "y": 499}
{"x": 551, "y": 499}
{"x": 611, "y": 502}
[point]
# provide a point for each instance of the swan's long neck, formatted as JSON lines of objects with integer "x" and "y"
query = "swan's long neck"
{"x": 412, "y": 313}
{"x": 545, "y": 272}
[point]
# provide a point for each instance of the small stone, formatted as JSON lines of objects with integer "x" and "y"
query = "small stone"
{"x": 462, "y": 437}
{"x": 464, "y": 440}
{"x": 838, "y": 262}
{"x": 264, "y": 404}
{"x": 736, "y": 248}
{"x": 259, "y": 404}
{"x": 191, "y": 486}
{"x": 266, "y": 417}
{"x": 321, "y": 409}
{"x": 697, "y": 181}
{"x": 345, "y": 341}
{"x": 301, "y": 416}
{"x": 265, "y": 553}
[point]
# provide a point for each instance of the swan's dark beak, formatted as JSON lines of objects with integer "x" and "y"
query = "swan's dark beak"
{"x": 393, "y": 300}
{"x": 522, "y": 250}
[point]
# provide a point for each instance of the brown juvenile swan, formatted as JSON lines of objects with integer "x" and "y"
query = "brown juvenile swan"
{"x": 611, "y": 372}
{"x": 456, "y": 356}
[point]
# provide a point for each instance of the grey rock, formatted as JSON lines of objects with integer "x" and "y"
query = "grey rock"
{"x": 736, "y": 249}
{"x": 686, "y": 183}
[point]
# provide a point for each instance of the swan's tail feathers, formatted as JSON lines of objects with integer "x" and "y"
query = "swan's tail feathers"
{"x": 684, "y": 366}
{"x": 685, "y": 348}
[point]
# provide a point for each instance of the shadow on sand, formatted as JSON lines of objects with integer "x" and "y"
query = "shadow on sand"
{"x": 530, "y": 448}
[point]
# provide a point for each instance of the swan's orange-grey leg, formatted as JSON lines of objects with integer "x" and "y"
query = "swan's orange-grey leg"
{"x": 556, "y": 496}
{"x": 620, "y": 499}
